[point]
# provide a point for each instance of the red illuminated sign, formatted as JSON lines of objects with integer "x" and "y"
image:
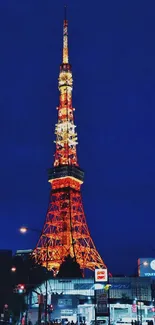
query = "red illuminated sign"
{"x": 101, "y": 275}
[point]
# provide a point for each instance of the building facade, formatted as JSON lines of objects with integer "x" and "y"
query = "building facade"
{"x": 131, "y": 288}
{"x": 74, "y": 299}
{"x": 24, "y": 253}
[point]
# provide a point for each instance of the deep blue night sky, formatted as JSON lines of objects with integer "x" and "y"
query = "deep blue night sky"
{"x": 112, "y": 52}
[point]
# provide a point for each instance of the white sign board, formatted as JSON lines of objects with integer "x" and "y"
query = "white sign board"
{"x": 101, "y": 275}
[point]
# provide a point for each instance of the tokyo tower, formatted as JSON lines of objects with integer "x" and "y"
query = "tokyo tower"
{"x": 65, "y": 231}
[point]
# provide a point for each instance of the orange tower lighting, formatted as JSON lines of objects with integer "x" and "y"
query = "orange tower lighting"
{"x": 65, "y": 231}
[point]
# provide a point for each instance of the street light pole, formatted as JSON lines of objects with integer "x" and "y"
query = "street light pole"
{"x": 23, "y": 230}
{"x": 139, "y": 319}
{"x": 27, "y": 309}
{"x": 13, "y": 270}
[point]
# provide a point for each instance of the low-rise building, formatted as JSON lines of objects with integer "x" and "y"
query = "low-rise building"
{"x": 74, "y": 299}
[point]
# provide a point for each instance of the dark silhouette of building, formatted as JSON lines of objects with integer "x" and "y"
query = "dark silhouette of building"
{"x": 5, "y": 277}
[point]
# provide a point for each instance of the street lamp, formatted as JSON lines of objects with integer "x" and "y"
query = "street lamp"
{"x": 20, "y": 289}
{"x": 145, "y": 263}
{"x": 24, "y": 230}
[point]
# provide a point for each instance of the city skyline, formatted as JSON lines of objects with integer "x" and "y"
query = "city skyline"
{"x": 113, "y": 71}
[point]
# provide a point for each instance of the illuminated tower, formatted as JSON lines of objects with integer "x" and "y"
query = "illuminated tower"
{"x": 65, "y": 230}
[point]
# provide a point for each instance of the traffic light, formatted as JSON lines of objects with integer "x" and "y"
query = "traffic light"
{"x": 20, "y": 288}
{"x": 6, "y": 312}
{"x": 50, "y": 308}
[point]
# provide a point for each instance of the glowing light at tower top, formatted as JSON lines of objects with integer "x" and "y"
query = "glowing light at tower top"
{"x": 66, "y": 137}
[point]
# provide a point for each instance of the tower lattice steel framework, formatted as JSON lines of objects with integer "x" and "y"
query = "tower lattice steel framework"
{"x": 65, "y": 231}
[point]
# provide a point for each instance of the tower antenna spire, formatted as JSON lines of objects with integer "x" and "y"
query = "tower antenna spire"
{"x": 65, "y": 37}
{"x": 65, "y": 12}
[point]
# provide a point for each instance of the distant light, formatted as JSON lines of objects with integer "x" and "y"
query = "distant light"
{"x": 23, "y": 230}
{"x": 13, "y": 269}
{"x": 6, "y": 306}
